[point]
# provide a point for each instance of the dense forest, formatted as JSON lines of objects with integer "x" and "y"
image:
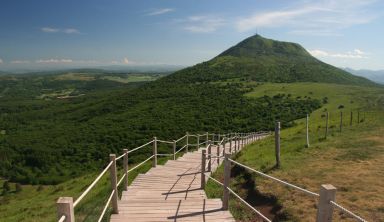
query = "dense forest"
{"x": 49, "y": 141}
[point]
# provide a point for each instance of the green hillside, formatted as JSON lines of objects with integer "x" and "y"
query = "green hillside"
{"x": 265, "y": 60}
{"x": 344, "y": 159}
{"x": 50, "y": 141}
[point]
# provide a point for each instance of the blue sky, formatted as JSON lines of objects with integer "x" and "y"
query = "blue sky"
{"x": 81, "y": 33}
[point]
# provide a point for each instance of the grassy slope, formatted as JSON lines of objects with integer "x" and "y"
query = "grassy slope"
{"x": 350, "y": 160}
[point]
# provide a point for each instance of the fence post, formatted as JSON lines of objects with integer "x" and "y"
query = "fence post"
{"x": 218, "y": 138}
{"x": 213, "y": 138}
{"x": 218, "y": 154}
{"x": 358, "y": 117}
{"x": 154, "y": 149}
{"x": 203, "y": 168}
{"x": 227, "y": 177}
{"x": 351, "y": 119}
{"x": 125, "y": 160}
{"x": 206, "y": 139}
{"x": 174, "y": 150}
{"x": 326, "y": 125}
{"x": 341, "y": 121}
{"x": 230, "y": 142}
{"x": 307, "y": 126}
{"x": 112, "y": 170}
{"x": 198, "y": 141}
{"x": 187, "y": 135}
{"x": 65, "y": 207}
{"x": 325, "y": 208}
{"x": 209, "y": 156}
{"x": 277, "y": 143}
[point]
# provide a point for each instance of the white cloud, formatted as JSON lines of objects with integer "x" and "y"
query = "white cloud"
{"x": 71, "y": 31}
{"x": 49, "y": 30}
{"x": 48, "y": 61}
{"x": 203, "y": 24}
{"x": 322, "y": 17}
{"x": 57, "y": 30}
{"x": 20, "y": 61}
{"x": 355, "y": 54}
{"x": 160, "y": 11}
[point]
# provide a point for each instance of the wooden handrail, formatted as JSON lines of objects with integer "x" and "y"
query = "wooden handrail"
{"x": 69, "y": 208}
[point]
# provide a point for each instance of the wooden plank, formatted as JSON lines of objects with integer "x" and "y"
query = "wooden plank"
{"x": 171, "y": 192}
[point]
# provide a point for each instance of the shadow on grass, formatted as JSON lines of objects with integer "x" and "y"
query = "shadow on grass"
{"x": 268, "y": 205}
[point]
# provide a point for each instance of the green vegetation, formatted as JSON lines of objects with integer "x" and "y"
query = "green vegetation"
{"x": 57, "y": 130}
{"x": 356, "y": 150}
{"x": 51, "y": 141}
{"x": 265, "y": 60}
{"x": 68, "y": 84}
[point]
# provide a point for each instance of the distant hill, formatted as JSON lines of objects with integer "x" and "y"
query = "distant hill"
{"x": 374, "y": 75}
{"x": 265, "y": 60}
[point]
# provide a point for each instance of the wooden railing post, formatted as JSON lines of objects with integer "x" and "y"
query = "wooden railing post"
{"x": 174, "y": 150}
{"x": 203, "y": 168}
{"x": 325, "y": 208}
{"x": 65, "y": 207}
{"x": 218, "y": 137}
{"x": 209, "y": 156}
{"x": 187, "y": 135}
{"x": 154, "y": 149}
{"x": 358, "y": 117}
{"x": 277, "y": 143}
{"x": 213, "y": 138}
{"x": 326, "y": 125}
{"x": 218, "y": 154}
{"x": 206, "y": 139}
{"x": 125, "y": 160}
{"x": 227, "y": 176}
{"x": 307, "y": 126}
{"x": 230, "y": 142}
{"x": 341, "y": 121}
{"x": 112, "y": 170}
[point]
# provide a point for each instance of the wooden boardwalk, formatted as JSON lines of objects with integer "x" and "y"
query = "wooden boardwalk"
{"x": 172, "y": 192}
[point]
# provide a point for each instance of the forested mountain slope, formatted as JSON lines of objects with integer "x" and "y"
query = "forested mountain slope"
{"x": 50, "y": 141}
